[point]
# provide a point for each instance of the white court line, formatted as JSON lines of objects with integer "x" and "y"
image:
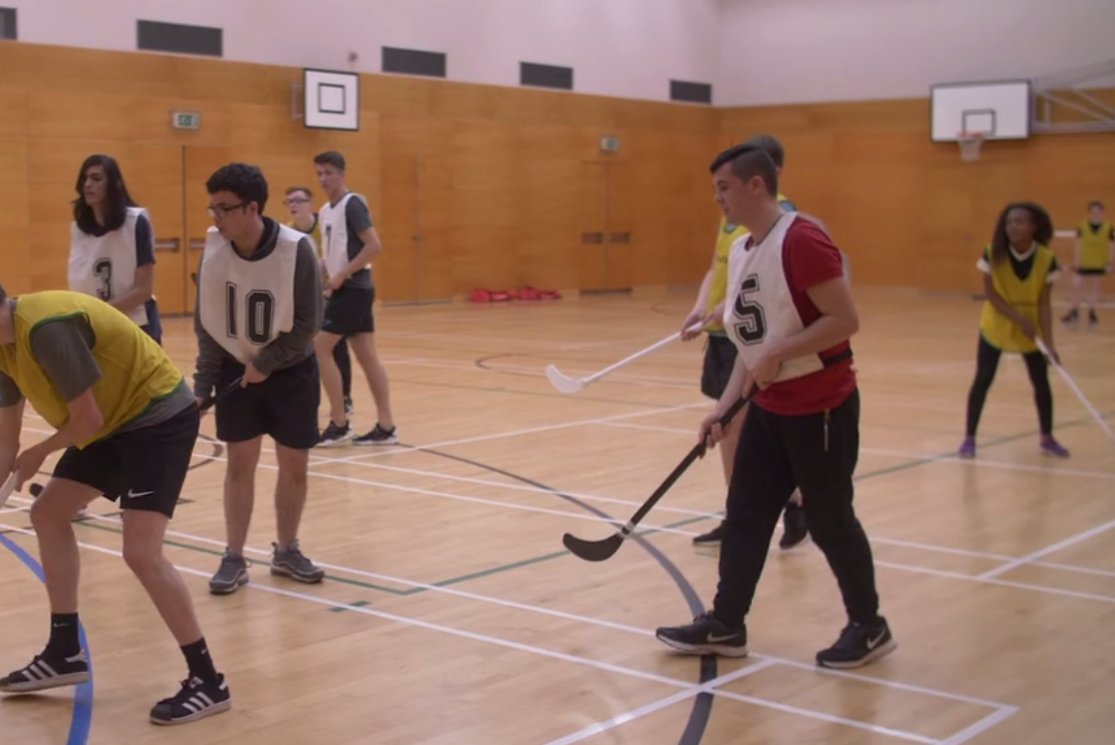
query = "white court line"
{"x": 662, "y": 703}
{"x": 1030, "y": 557}
{"x": 536, "y": 372}
{"x": 396, "y": 449}
{"x": 530, "y": 489}
{"x": 989, "y": 721}
{"x": 873, "y": 728}
{"x": 617, "y": 522}
{"x": 910, "y": 454}
{"x": 520, "y": 647}
{"x": 585, "y": 619}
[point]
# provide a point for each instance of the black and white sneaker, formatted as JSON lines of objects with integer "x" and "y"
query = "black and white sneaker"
{"x": 795, "y": 527}
{"x": 378, "y": 436}
{"x": 859, "y": 644}
{"x": 294, "y": 564}
{"x": 335, "y": 435}
{"x": 45, "y": 671}
{"x": 706, "y": 635}
{"x": 710, "y": 540}
{"x": 196, "y": 700}
{"x": 350, "y": 408}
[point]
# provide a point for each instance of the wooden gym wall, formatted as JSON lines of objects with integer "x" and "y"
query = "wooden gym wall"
{"x": 471, "y": 186}
{"x": 481, "y": 186}
{"x": 908, "y": 211}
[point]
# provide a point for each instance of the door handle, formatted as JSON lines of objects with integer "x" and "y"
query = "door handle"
{"x": 197, "y": 244}
{"x": 173, "y": 245}
{"x": 592, "y": 238}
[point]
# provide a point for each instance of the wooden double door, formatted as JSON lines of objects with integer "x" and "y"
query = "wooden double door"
{"x": 168, "y": 180}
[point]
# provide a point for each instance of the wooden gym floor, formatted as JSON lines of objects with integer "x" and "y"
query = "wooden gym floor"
{"x": 452, "y": 614}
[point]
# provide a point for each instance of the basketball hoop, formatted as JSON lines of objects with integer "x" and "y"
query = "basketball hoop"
{"x": 970, "y": 143}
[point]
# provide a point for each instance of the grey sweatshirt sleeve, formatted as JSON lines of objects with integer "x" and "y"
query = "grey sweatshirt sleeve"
{"x": 209, "y": 352}
{"x": 297, "y": 344}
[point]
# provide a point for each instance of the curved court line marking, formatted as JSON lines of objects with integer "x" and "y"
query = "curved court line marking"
{"x": 81, "y": 720}
{"x": 690, "y": 688}
{"x": 697, "y": 722}
{"x": 614, "y": 625}
{"x": 651, "y": 528}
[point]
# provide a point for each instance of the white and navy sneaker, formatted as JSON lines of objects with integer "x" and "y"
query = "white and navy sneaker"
{"x": 335, "y": 435}
{"x": 45, "y": 671}
{"x": 859, "y": 644}
{"x": 196, "y": 700}
{"x": 706, "y": 635}
{"x": 378, "y": 436}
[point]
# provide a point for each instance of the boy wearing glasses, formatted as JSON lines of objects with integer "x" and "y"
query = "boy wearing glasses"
{"x": 258, "y": 309}
{"x": 305, "y": 220}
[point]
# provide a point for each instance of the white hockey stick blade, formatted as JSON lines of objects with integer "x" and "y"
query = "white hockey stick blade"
{"x": 562, "y": 382}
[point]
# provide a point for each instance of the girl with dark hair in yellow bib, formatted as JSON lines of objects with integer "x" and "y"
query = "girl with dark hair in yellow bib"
{"x": 1018, "y": 274}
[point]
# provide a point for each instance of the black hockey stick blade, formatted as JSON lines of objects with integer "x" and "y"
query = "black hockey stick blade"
{"x": 606, "y": 548}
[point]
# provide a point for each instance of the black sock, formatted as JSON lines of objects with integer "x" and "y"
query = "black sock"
{"x": 199, "y": 662}
{"x": 64, "y": 641}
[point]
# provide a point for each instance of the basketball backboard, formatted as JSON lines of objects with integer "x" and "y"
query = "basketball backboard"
{"x": 331, "y": 99}
{"x": 1001, "y": 109}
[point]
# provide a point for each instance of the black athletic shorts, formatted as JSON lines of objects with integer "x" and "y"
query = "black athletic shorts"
{"x": 720, "y": 358}
{"x": 348, "y": 311}
{"x": 1092, "y": 270}
{"x": 144, "y": 469}
{"x": 284, "y": 406}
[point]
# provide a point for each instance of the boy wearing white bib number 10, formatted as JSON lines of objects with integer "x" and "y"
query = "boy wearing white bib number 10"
{"x": 790, "y": 313}
{"x": 258, "y": 309}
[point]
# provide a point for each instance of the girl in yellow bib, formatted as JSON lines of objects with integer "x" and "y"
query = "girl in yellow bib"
{"x": 1095, "y": 254}
{"x": 1018, "y": 274}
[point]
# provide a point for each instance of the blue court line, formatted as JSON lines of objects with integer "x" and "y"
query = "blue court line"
{"x": 82, "y": 719}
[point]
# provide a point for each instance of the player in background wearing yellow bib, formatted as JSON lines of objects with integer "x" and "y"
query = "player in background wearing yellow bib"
{"x": 305, "y": 220}
{"x": 1095, "y": 257}
{"x": 126, "y": 423}
{"x": 1018, "y": 274}
{"x": 720, "y": 353}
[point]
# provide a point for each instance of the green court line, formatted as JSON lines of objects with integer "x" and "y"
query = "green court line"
{"x": 349, "y": 606}
{"x": 499, "y": 569}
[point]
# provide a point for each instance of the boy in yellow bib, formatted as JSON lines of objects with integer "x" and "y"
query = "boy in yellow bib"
{"x": 127, "y": 424}
{"x": 1019, "y": 271}
{"x": 1095, "y": 254}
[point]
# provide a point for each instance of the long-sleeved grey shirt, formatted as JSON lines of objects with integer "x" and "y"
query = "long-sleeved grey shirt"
{"x": 288, "y": 348}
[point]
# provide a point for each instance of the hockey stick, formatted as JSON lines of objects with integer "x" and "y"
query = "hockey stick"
{"x": 568, "y": 384}
{"x": 7, "y": 489}
{"x": 604, "y": 549}
{"x": 208, "y": 402}
{"x": 1072, "y": 384}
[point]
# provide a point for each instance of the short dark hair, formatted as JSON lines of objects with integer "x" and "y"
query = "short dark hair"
{"x": 1095, "y": 203}
{"x": 243, "y": 180}
{"x": 291, "y": 189}
{"x": 117, "y": 198}
{"x": 3, "y": 294}
{"x": 770, "y": 145}
{"x": 330, "y": 158}
{"x": 748, "y": 161}
{"x": 1043, "y": 228}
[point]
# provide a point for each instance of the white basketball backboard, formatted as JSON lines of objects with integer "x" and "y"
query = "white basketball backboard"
{"x": 1000, "y": 109}
{"x": 332, "y": 99}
